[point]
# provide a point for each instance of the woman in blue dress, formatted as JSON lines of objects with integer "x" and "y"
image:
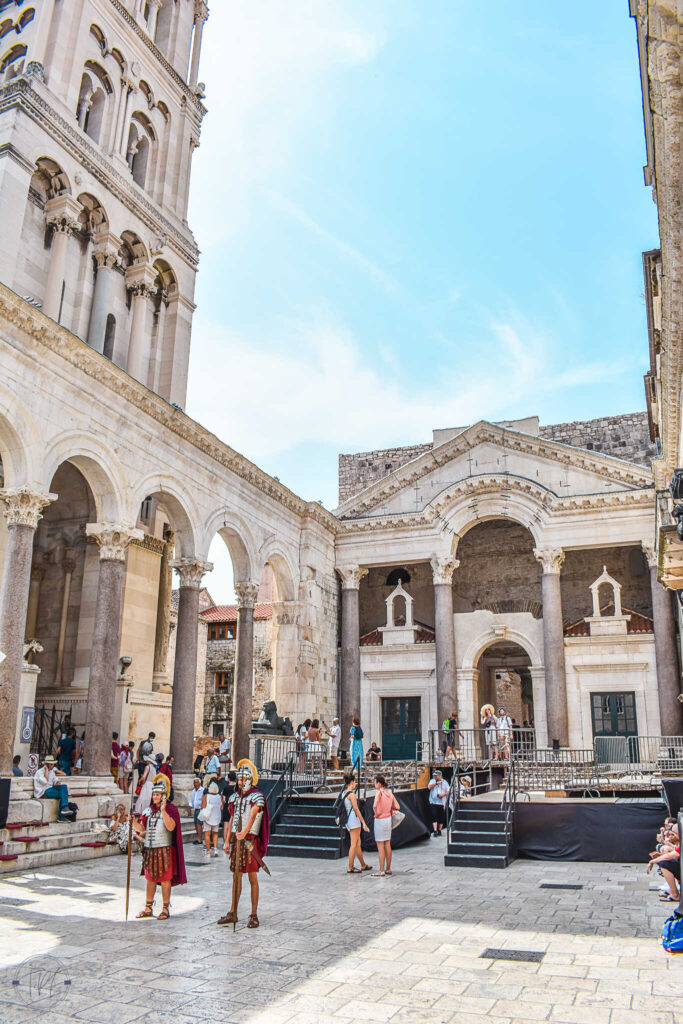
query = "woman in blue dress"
{"x": 356, "y": 742}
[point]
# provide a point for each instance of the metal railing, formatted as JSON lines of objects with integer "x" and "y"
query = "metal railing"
{"x": 281, "y": 792}
{"x": 654, "y": 755}
{"x": 48, "y": 725}
{"x": 272, "y": 754}
{"x": 561, "y": 770}
{"x": 480, "y": 744}
{"x": 480, "y": 781}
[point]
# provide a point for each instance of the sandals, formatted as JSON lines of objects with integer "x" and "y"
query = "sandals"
{"x": 228, "y": 918}
{"x": 253, "y": 921}
{"x": 367, "y": 867}
{"x": 668, "y": 898}
{"x": 147, "y": 912}
{"x": 354, "y": 871}
{"x": 378, "y": 874}
{"x": 164, "y": 915}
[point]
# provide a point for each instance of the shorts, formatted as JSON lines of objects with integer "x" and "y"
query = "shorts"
{"x": 353, "y": 821}
{"x": 209, "y": 828}
{"x": 674, "y": 866}
{"x": 437, "y": 813}
{"x": 333, "y": 751}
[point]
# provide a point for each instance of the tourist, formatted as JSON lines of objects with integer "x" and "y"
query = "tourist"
{"x": 301, "y": 736}
{"x": 147, "y": 746}
{"x": 224, "y": 750}
{"x": 144, "y": 786}
{"x": 211, "y": 763}
{"x": 163, "y": 862}
{"x": 229, "y": 788}
{"x": 384, "y": 805}
{"x": 450, "y": 726}
{"x": 374, "y": 753}
{"x": 125, "y": 768}
{"x": 504, "y": 727}
{"x": 46, "y": 787}
{"x": 465, "y": 787}
{"x": 66, "y": 752}
{"x": 314, "y": 732}
{"x": 210, "y": 817}
{"x": 80, "y": 744}
{"x": 115, "y": 755}
{"x": 354, "y": 823}
{"x": 669, "y": 863}
{"x": 356, "y": 736}
{"x": 16, "y": 766}
{"x": 438, "y": 798}
{"x": 249, "y": 835}
{"x": 488, "y": 721}
{"x": 335, "y": 739}
{"x": 167, "y": 769}
{"x": 194, "y": 800}
{"x": 120, "y": 828}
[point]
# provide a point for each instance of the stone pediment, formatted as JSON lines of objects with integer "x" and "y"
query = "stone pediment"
{"x": 489, "y": 457}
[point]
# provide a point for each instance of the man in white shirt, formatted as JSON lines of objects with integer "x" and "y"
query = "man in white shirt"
{"x": 438, "y": 797}
{"x": 195, "y": 801}
{"x": 335, "y": 739}
{"x": 224, "y": 750}
{"x": 504, "y": 727}
{"x": 45, "y": 786}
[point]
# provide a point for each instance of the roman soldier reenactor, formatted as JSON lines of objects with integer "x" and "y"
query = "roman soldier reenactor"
{"x": 247, "y": 840}
{"x": 163, "y": 862}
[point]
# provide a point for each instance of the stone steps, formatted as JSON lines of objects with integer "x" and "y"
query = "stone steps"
{"x": 47, "y": 858}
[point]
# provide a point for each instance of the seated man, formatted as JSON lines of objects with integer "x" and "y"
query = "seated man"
{"x": 669, "y": 860}
{"x": 374, "y": 753}
{"x": 45, "y": 786}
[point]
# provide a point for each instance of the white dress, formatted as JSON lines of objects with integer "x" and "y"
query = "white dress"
{"x": 213, "y": 802}
{"x": 145, "y": 798}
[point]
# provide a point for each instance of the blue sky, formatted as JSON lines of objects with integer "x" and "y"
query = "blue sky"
{"x": 414, "y": 215}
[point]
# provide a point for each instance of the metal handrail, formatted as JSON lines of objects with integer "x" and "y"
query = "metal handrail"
{"x": 509, "y": 799}
{"x": 480, "y": 744}
{"x": 286, "y": 778}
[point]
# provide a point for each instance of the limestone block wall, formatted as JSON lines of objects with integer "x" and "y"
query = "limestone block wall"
{"x": 582, "y": 567}
{"x": 220, "y": 657}
{"x": 374, "y": 592}
{"x": 139, "y": 615}
{"x": 358, "y": 471}
{"x": 497, "y": 569}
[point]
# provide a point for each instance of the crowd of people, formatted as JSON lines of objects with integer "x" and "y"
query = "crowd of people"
{"x": 666, "y": 858}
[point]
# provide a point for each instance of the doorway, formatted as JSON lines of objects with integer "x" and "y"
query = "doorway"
{"x": 401, "y": 727}
{"x": 614, "y": 721}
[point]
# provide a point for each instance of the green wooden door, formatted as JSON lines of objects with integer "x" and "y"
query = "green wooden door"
{"x": 401, "y": 727}
{"x": 614, "y": 721}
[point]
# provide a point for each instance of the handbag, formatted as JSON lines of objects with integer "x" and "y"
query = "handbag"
{"x": 396, "y": 819}
{"x": 204, "y": 814}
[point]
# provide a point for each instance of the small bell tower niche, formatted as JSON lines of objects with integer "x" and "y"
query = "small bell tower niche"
{"x": 400, "y": 628}
{"x": 615, "y": 624}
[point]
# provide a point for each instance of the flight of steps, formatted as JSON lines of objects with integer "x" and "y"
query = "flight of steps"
{"x": 32, "y": 838}
{"x": 306, "y": 828}
{"x": 478, "y": 837}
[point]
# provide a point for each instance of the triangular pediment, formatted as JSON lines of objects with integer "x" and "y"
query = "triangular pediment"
{"x": 486, "y": 451}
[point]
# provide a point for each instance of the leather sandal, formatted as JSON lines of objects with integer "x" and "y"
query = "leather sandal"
{"x": 228, "y": 918}
{"x": 164, "y": 915}
{"x": 253, "y": 921}
{"x": 147, "y": 912}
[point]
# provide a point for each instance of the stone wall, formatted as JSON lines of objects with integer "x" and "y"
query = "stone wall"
{"x": 625, "y": 437}
{"x": 220, "y": 657}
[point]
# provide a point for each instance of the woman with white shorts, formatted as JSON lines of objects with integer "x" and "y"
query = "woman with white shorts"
{"x": 354, "y": 823}
{"x": 384, "y": 806}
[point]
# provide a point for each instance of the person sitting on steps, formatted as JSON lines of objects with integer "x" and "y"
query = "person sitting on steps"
{"x": 46, "y": 787}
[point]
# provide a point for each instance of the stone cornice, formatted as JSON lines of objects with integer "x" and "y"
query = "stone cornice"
{"x": 57, "y": 339}
{"x": 19, "y": 92}
{"x": 154, "y": 49}
{"x": 152, "y": 544}
{"x": 606, "y": 466}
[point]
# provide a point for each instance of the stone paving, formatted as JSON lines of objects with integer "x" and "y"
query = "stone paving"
{"x": 341, "y": 949}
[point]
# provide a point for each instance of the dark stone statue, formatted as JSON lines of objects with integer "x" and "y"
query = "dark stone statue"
{"x": 270, "y": 723}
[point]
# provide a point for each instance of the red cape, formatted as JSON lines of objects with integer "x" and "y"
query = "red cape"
{"x": 180, "y": 878}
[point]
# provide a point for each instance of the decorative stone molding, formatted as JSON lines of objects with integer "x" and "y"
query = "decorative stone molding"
{"x": 38, "y": 572}
{"x": 106, "y": 250}
{"x": 351, "y": 575}
{"x": 651, "y": 555}
{"x": 286, "y": 613}
{"x": 153, "y": 544}
{"x": 551, "y": 559}
{"x": 201, "y": 11}
{"x": 140, "y": 279}
{"x": 113, "y": 539}
{"x": 190, "y": 571}
{"x": 443, "y": 569}
{"x": 246, "y": 594}
{"x": 62, "y": 213}
{"x": 24, "y": 505}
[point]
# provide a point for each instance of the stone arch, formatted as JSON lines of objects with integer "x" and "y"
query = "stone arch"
{"x": 141, "y": 149}
{"x": 91, "y": 111}
{"x": 134, "y": 249}
{"x": 93, "y": 216}
{"x": 283, "y": 572}
{"x": 52, "y": 177}
{"x": 181, "y": 508}
{"x": 10, "y": 57}
{"x": 493, "y": 635}
{"x": 497, "y": 497}
{"x": 238, "y": 539}
{"x": 18, "y": 443}
{"x": 98, "y": 465}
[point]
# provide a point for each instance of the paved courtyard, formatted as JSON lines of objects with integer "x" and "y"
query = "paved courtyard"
{"x": 340, "y": 948}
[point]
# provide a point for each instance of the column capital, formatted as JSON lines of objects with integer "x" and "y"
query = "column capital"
{"x": 247, "y": 593}
{"x": 140, "y": 279}
{"x": 551, "y": 559}
{"x": 106, "y": 248}
{"x": 286, "y": 613}
{"x": 351, "y": 575}
{"x": 24, "y": 505}
{"x": 190, "y": 571}
{"x": 62, "y": 213}
{"x": 112, "y": 539}
{"x": 650, "y": 553}
{"x": 201, "y": 11}
{"x": 443, "y": 568}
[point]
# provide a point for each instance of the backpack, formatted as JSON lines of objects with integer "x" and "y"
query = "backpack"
{"x": 342, "y": 815}
{"x": 672, "y": 934}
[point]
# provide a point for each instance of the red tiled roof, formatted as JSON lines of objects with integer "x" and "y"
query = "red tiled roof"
{"x": 425, "y": 635}
{"x": 639, "y": 623}
{"x": 228, "y": 612}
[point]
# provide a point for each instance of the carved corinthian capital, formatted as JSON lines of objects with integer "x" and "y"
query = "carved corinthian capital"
{"x": 351, "y": 575}
{"x": 190, "y": 571}
{"x": 551, "y": 559}
{"x": 113, "y": 539}
{"x": 24, "y": 505}
{"x": 443, "y": 569}
{"x": 650, "y": 554}
{"x": 62, "y": 213}
{"x": 201, "y": 11}
{"x": 246, "y": 594}
{"x": 286, "y": 613}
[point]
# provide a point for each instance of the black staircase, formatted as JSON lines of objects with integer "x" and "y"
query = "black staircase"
{"x": 306, "y": 827}
{"x": 480, "y": 836}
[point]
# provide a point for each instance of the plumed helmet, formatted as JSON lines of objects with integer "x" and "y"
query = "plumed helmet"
{"x": 246, "y": 771}
{"x": 161, "y": 784}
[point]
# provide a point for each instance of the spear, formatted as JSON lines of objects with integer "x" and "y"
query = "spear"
{"x": 130, "y": 846}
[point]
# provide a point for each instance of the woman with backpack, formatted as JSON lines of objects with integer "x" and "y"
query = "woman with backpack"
{"x": 354, "y": 822}
{"x": 356, "y": 735}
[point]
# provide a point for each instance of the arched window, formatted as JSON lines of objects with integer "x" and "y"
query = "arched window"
{"x": 98, "y": 35}
{"x": 25, "y": 18}
{"x": 139, "y": 149}
{"x": 92, "y": 124}
{"x": 109, "y": 337}
{"x": 397, "y": 576}
{"x": 6, "y": 26}
{"x": 9, "y": 63}
{"x": 92, "y": 100}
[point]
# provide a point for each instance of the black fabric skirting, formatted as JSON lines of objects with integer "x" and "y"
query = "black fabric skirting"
{"x": 619, "y": 832}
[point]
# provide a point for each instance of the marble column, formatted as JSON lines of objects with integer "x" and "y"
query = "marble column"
{"x": 139, "y": 281}
{"x": 113, "y": 540}
{"x": 23, "y": 509}
{"x": 38, "y": 47}
{"x": 68, "y": 565}
{"x": 190, "y": 571}
{"x": 37, "y": 574}
{"x": 160, "y": 676}
{"x": 154, "y": 6}
{"x": 444, "y": 629}
{"x": 666, "y": 655}
{"x": 105, "y": 253}
{"x": 243, "y": 687}
{"x": 61, "y": 214}
{"x": 551, "y": 560}
{"x": 201, "y": 13}
{"x": 351, "y": 575}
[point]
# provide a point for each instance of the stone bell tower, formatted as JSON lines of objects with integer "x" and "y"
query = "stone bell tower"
{"x": 100, "y": 112}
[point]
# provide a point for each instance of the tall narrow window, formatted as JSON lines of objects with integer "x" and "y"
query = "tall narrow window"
{"x": 109, "y": 336}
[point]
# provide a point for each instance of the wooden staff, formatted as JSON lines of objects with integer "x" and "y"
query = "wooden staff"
{"x": 130, "y": 844}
